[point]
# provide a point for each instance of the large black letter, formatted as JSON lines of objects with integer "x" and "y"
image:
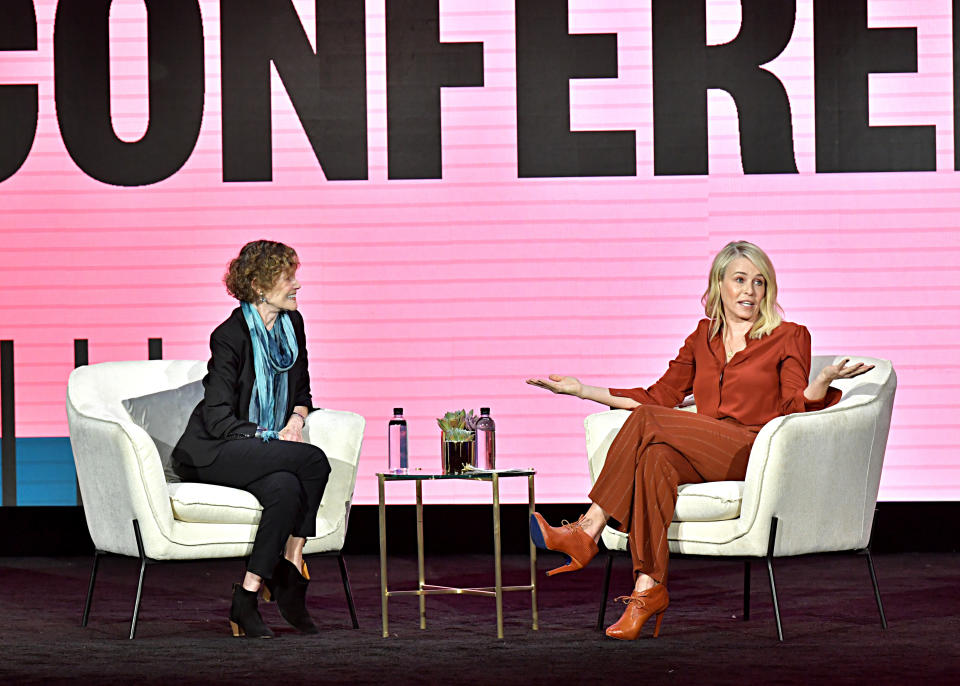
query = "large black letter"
{"x": 328, "y": 89}
{"x": 418, "y": 65}
{"x": 845, "y": 53}
{"x": 82, "y": 81}
{"x": 684, "y": 67}
{"x": 547, "y": 58}
{"x": 18, "y": 104}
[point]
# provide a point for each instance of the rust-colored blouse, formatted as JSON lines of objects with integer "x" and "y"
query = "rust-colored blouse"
{"x": 764, "y": 380}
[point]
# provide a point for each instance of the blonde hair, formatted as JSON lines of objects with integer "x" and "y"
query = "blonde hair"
{"x": 769, "y": 313}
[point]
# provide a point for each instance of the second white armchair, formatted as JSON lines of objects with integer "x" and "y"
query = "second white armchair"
{"x": 811, "y": 484}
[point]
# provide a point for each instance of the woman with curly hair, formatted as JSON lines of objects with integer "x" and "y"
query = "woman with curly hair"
{"x": 744, "y": 366}
{"x": 247, "y": 431}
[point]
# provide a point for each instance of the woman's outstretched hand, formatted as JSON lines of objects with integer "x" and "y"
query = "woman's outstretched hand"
{"x": 568, "y": 385}
{"x": 842, "y": 371}
{"x": 818, "y": 387}
{"x": 555, "y": 383}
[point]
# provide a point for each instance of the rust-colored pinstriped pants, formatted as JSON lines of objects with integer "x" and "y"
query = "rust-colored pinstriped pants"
{"x": 657, "y": 449}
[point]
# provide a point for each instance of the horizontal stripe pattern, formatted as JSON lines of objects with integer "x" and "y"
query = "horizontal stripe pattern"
{"x": 441, "y": 294}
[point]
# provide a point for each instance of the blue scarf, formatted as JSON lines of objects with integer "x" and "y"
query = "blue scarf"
{"x": 274, "y": 353}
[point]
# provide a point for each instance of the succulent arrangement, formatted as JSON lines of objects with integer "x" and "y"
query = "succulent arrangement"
{"x": 459, "y": 426}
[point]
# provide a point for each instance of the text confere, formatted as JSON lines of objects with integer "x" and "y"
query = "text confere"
{"x": 327, "y": 87}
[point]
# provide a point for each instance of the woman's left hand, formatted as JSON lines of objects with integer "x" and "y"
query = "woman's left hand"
{"x": 817, "y": 389}
{"x": 842, "y": 371}
{"x": 293, "y": 431}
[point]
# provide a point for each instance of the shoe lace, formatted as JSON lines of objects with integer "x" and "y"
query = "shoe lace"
{"x": 638, "y": 600}
{"x": 579, "y": 524}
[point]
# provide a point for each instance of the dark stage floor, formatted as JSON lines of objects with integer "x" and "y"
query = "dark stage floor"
{"x": 831, "y": 626}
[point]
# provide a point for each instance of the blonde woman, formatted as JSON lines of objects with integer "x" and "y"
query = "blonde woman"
{"x": 744, "y": 366}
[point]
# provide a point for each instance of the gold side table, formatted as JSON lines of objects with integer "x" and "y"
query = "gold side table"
{"x": 424, "y": 589}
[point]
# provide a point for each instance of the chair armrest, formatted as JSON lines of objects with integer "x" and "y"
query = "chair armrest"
{"x": 121, "y": 479}
{"x": 818, "y": 473}
{"x": 600, "y": 429}
{"x": 340, "y": 435}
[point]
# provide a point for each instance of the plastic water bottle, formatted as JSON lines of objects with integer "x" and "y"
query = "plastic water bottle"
{"x": 397, "y": 443}
{"x": 486, "y": 440}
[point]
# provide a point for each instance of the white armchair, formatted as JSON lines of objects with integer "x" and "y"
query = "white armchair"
{"x": 811, "y": 485}
{"x": 133, "y": 510}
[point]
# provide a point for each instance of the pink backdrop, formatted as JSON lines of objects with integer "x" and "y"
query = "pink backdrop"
{"x": 442, "y": 294}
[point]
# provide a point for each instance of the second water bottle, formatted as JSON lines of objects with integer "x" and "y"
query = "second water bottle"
{"x": 486, "y": 440}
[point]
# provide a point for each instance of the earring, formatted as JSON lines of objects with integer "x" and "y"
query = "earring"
{"x": 262, "y": 299}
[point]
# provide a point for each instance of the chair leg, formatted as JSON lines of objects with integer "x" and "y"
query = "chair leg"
{"x": 136, "y": 604}
{"x": 873, "y": 572}
{"x": 606, "y": 590}
{"x": 876, "y": 588}
{"x": 746, "y": 590}
{"x": 773, "y": 594}
{"x": 773, "y": 585}
{"x": 143, "y": 569}
{"x": 346, "y": 589}
{"x": 93, "y": 580}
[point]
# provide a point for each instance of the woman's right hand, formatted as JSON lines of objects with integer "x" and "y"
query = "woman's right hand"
{"x": 555, "y": 383}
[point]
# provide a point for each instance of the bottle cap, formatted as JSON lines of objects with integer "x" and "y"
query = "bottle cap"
{"x": 484, "y": 410}
{"x": 397, "y": 411}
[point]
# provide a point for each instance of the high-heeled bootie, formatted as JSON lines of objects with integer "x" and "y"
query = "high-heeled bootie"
{"x": 569, "y": 539}
{"x": 245, "y": 619}
{"x": 641, "y": 606}
{"x": 266, "y": 590}
{"x": 289, "y": 589}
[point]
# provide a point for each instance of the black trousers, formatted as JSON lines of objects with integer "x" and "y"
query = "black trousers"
{"x": 287, "y": 478}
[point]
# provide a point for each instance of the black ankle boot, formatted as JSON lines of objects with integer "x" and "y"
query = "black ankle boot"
{"x": 245, "y": 619}
{"x": 289, "y": 588}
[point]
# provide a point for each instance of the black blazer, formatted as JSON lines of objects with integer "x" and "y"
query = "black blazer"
{"x": 222, "y": 414}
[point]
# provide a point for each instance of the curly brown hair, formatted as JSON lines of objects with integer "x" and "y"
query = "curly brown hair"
{"x": 261, "y": 261}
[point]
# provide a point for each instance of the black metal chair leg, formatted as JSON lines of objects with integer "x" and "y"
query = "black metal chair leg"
{"x": 773, "y": 586}
{"x": 606, "y": 589}
{"x": 143, "y": 569}
{"x": 746, "y": 590}
{"x": 346, "y": 589}
{"x": 876, "y": 588}
{"x": 93, "y": 580}
{"x": 773, "y": 594}
{"x": 136, "y": 604}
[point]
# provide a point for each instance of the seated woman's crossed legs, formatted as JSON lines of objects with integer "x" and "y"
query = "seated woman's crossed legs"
{"x": 656, "y": 450}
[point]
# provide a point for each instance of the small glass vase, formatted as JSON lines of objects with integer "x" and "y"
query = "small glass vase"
{"x": 456, "y": 456}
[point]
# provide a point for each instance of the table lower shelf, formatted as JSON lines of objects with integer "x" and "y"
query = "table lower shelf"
{"x": 431, "y": 589}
